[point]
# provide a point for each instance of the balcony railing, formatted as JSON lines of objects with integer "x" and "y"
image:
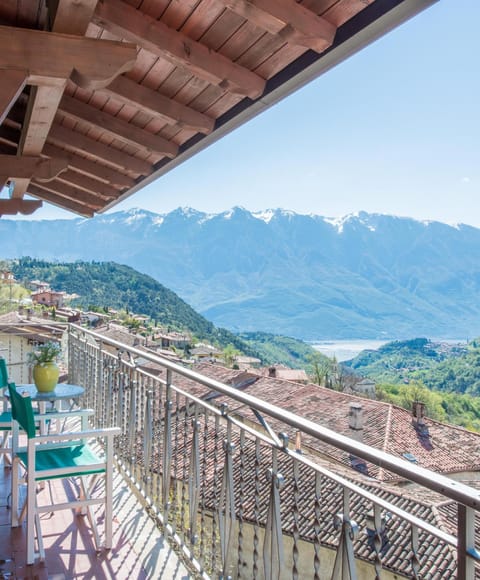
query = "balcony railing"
{"x": 241, "y": 502}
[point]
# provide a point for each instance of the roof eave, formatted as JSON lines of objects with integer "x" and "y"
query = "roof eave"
{"x": 370, "y": 24}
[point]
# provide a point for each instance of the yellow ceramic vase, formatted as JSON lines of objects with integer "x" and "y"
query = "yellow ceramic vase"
{"x": 45, "y": 376}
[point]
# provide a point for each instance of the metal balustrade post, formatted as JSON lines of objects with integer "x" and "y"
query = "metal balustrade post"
{"x": 167, "y": 447}
{"x": 147, "y": 438}
{"x": 273, "y": 552}
{"x": 194, "y": 482}
{"x": 466, "y": 543}
{"x": 344, "y": 567}
{"x": 226, "y": 508}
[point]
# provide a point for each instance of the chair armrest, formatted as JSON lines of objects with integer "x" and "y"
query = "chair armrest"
{"x": 73, "y": 435}
{"x": 63, "y": 414}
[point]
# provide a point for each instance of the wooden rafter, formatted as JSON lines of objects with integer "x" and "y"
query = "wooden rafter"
{"x": 98, "y": 150}
{"x": 29, "y": 167}
{"x": 74, "y": 193}
{"x": 67, "y": 17}
{"x": 12, "y": 84}
{"x": 61, "y": 201}
{"x": 71, "y": 16}
{"x": 153, "y": 103}
{"x": 50, "y": 73}
{"x": 135, "y": 26}
{"x": 53, "y": 58}
{"x": 23, "y": 206}
{"x": 88, "y": 184}
{"x": 90, "y": 168}
{"x": 68, "y": 192}
{"x": 124, "y": 131}
{"x": 291, "y": 21}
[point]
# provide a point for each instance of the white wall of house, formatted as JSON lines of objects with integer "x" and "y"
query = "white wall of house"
{"x": 15, "y": 353}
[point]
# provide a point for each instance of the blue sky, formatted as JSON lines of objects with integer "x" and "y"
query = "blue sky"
{"x": 395, "y": 129}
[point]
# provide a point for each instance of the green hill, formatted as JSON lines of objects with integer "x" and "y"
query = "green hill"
{"x": 280, "y": 349}
{"x": 446, "y": 377}
{"x": 440, "y": 366}
{"x": 107, "y": 284}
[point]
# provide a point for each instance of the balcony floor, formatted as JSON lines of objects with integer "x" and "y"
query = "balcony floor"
{"x": 139, "y": 550}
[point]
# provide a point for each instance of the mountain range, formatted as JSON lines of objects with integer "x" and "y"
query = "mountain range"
{"x": 307, "y": 276}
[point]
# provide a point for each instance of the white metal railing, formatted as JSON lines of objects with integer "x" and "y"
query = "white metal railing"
{"x": 241, "y": 502}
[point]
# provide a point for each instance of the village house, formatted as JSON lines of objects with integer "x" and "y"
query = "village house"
{"x": 20, "y": 332}
{"x": 7, "y": 277}
{"x": 206, "y": 352}
{"x": 247, "y": 362}
{"x": 173, "y": 339}
{"x": 38, "y": 285}
{"x": 364, "y": 388}
{"x": 48, "y": 298}
{"x": 284, "y": 373}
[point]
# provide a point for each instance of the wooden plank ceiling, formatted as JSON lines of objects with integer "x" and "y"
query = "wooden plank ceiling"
{"x": 99, "y": 97}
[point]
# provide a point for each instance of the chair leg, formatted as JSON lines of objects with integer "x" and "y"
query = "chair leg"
{"x": 31, "y": 513}
{"x": 109, "y": 496}
{"x": 88, "y": 510}
{"x": 41, "y": 549}
{"x": 15, "y": 484}
{"x": 5, "y": 450}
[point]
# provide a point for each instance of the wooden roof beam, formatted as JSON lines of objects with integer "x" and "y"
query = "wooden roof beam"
{"x": 71, "y": 16}
{"x": 287, "y": 19}
{"x": 157, "y": 105}
{"x": 88, "y": 184}
{"x": 23, "y": 206}
{"x": 93, "y": 148}
{"x": 29, "y": 167}
{"x": 91, "y": 168}
{"x": 124, "y": 131}
{"x": 62, "y": 201}
{"x": 53, "y": 58}
{"x": 95, "y": 201}
{"x": 11, "y": 86}
{"x": 135, "y": 26}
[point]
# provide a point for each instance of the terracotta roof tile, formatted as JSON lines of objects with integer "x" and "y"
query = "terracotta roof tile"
{"x": 438, "y": 446}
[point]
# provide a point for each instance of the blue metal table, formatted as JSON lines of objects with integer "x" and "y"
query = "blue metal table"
{"x": 63, "y": 391}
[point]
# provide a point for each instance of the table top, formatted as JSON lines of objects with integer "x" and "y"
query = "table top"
{"x": 61, "y": 391}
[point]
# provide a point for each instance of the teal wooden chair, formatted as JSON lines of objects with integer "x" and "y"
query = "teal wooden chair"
{"x": 5, "y": 417}
{"x": 63, "y": 455}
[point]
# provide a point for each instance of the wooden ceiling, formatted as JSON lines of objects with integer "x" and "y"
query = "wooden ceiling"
{"x": 100, "y": 97}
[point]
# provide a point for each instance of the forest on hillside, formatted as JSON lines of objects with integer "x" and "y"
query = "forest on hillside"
{"x": 111, "y": 285}
{"x": 445, "y": 376}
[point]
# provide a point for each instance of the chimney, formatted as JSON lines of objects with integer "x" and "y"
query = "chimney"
{"x": 272, "y": 372}
{"x": 418, "y": 413}
{"x": 355, "y": 422}
{"x": 355, "y": 417}
{"x": 298, "y": 442}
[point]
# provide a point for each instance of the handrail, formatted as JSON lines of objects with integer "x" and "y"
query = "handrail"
{"x": 453, "y": 490}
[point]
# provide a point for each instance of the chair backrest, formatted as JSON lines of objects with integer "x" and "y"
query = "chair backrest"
{"x": 22, "y": 410}
{"x": 3, "y": 373}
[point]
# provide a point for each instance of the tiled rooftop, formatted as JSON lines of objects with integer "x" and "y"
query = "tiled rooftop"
{"x": 298, "y": 496}
{"x": 440, "y": 447}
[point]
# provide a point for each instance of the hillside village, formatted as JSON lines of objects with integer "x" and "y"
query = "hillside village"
{"x": 46, "y": 307}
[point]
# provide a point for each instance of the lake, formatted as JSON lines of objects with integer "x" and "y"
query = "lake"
{"x": 346, "y": 349}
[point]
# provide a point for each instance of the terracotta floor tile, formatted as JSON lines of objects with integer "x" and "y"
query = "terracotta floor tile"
{"x": 139, "y": 552}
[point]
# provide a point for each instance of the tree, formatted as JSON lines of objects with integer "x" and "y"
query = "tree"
{"x": 229, "y": 354}
{"x": 320, "y": 369}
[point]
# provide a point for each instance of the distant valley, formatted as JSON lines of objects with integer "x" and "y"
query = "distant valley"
{"x": 365, "y": 276}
